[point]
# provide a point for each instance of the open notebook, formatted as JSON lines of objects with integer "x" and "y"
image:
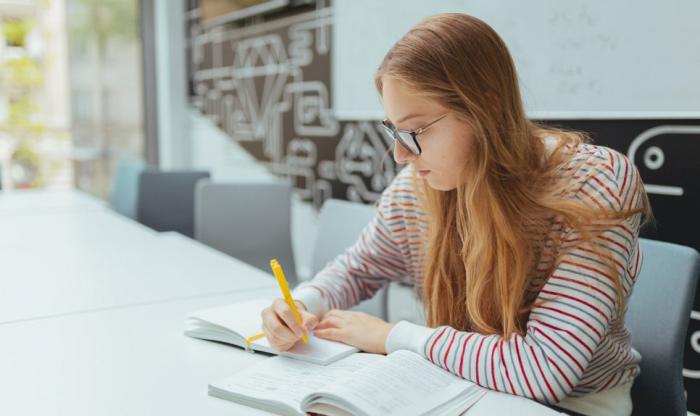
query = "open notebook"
{"x": 231, "y": 324}
{"x": 401, "y": 383}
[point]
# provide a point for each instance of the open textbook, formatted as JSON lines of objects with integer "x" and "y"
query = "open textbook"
{"x": 401, "y": 383}
{"x": 232, "y": 323}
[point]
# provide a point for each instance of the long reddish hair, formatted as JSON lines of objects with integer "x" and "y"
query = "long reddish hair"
{"x": 484, "y": 239}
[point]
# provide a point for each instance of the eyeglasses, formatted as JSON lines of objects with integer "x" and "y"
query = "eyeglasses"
{"x": 407, "y": 138}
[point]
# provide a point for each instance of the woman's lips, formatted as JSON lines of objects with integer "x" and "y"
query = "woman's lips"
{"x": 423, "y": 172}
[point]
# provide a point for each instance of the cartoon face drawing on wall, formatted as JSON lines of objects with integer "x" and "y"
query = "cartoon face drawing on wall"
{"x": 668, "y": 159}
{"x": 665, "y": 156}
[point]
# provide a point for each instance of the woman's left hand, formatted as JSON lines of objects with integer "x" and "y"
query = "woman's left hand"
{"x": 358, "y": 329}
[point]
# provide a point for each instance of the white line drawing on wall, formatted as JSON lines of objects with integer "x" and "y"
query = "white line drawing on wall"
{"x": 263, "y": 56}
{"x": 311, "y": 103}
{"x": 262, "y": 83}
{"x": 299, "y": 163}
{"x": 360, "y": 154}
{"x": 695, "y": 345}
{"x": 302, "y": 36}
{"x": 653, "y": 157}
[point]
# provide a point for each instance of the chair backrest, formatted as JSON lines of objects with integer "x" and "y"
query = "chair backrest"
{"x": 657, "y": 316}
{"x": 339, "y": 226}
{"x": 249, "y": 221}
{"x": 125, "y": 187}
{"x": 166, "y": 199}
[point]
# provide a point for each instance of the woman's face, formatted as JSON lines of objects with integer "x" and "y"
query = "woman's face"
{"x": 445, "y": 146}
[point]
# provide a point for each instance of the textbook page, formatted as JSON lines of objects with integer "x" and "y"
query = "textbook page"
{"x": 403, "y": 383}
{"x": 286, "y": 380}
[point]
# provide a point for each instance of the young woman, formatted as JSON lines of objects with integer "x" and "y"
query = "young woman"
{"x": 521, "y": 239}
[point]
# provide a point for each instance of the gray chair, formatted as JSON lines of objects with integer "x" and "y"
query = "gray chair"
{"x": 166, "y": 199}
{"x": 340, "y": 224}
{"x": 249, "y": 221}
{"x": 657, "y": 316}
{"x": 125, "y": 187}
{"x": 404, "y": 304}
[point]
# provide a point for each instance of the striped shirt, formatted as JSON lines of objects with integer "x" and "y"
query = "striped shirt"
{"x": 575, "y": 342}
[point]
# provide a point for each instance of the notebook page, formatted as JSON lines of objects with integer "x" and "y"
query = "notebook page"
{"x": 287, "y": 380}
{"x": 243, "y": 319}
{"x": 403, "y": 383}
{"x": 319, "y": 350}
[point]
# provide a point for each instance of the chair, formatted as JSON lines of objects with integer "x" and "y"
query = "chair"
{"x": 125, "y": 187}
{"x": 340, "y": 224}
{"x": 249, "y": 221}
{"x": 657, "y": 316}
{"x": 404, "y": 304}
{"x": 166, "y": 200}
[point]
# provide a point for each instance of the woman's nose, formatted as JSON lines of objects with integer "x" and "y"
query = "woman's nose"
{"x": 402, "y": 155}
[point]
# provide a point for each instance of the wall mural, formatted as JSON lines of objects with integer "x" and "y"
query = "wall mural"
{"x": 267, "y": 85}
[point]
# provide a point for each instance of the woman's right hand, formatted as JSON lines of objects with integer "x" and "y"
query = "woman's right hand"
{"x": 281, "y": 327}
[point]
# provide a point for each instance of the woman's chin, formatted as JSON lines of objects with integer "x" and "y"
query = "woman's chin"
{"x": 438, "y": 185}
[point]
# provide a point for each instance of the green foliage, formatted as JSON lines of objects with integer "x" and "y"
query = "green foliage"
{"x": 22, "y": 72}
{"x": 28, "y": 161}
{"x": 25, "y": 154}
{"x": 15, "y": 31}
{"x": 21, "y": 119}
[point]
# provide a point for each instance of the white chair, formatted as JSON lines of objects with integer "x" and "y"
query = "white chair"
{"x": 340, "y": 224}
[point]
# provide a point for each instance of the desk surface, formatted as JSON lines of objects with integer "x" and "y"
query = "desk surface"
{"x": 67, "y": 262}
{"x": 25, "y": 202}
{"x": 136, "y": 361}
{"x": 44, "y": 229}
{"x": 124, "y": 361}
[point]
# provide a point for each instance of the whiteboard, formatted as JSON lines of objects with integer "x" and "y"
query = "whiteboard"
{"x": 576, "y": 59}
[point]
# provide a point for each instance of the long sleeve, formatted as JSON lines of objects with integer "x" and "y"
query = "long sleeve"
{"x": 365, "y": 267}
{"x": 569, "y": 339}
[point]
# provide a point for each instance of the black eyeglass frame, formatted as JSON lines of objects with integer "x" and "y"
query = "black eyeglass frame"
{"x": 403, "y": 136}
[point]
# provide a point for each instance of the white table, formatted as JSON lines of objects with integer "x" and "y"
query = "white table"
{"x": 37, "y": 201}
{"x": 136, "y": 361}
{"x": 67, "y": 262}
{"x": 45, "y": 229}
{"x": 123, "y": 361}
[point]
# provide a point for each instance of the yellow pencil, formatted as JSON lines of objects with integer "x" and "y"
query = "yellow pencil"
{"x": 253, "y": 338}
{"x": 284, "y": 286}
{"x": 279, "y": 274}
